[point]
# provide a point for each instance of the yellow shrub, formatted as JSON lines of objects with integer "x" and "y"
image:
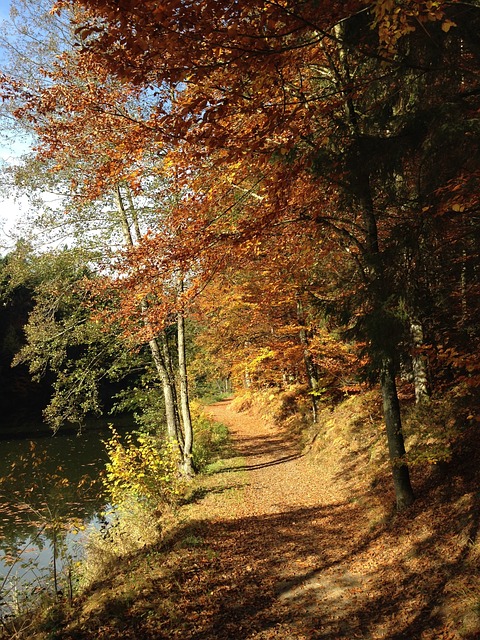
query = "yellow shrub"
{"x": 144, "y": 470}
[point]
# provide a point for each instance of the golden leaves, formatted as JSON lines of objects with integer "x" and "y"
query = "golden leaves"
{"x": 394, "y": 20}
{"x": 447, "y": 25}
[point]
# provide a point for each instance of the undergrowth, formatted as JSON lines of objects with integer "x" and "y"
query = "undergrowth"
{"x": 211, "y": 439}
{"x": 145, "y": 488}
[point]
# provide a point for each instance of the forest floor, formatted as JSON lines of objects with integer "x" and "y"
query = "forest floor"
{"x": 301, "y": 557}
{"x": 277, "y": 544}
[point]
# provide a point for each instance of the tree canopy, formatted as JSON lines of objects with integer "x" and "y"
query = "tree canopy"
{"x": 310, "y": 172}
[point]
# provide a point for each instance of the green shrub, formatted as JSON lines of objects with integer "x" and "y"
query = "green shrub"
{"x": 210, "y": 438}
{"x": 142, "y": 484}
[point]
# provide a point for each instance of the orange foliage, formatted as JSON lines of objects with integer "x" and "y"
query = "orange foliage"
{"x": 245, "y": 110}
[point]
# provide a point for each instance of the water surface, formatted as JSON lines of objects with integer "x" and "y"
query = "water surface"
{"x": 53, "y": 486}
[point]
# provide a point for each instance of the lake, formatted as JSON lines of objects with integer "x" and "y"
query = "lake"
{"x": 54, "y": 479}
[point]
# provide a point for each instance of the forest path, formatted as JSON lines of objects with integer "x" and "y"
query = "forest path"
{"x": 272, "y": 544}
{"x": 284, "y": 535}
{"x": 280, "y": 478}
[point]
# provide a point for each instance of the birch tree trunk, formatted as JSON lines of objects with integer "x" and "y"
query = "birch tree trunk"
{"x": 167, "y": 360}
{"x": 188, "y": 469}
{"x": 419, "y": 364}
{"x": 161, "y": 364}
{"x": 168, "y": 392}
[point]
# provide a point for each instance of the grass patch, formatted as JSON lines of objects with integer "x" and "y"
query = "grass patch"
{"x": 223, "y": 465}
{"x": 191, "y": 541}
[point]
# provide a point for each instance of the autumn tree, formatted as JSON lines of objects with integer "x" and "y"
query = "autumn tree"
{"x": 337, "y": 141}
{"x": 262, "y": 322}
{"x": 81, "y": 118}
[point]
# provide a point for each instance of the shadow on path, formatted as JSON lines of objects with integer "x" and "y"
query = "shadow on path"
{"x": 287, "y": 576}
{"x": 318, "y": 573}
{"x": 262, "y": 465}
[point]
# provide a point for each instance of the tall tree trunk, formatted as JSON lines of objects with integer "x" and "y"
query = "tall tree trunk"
{"x": 374, "y": 273}
{"x": 396, "y": 446}
{"x": 310, "y": 365}
{"x": 167, "y": 359}
{"x": 161, "y": 363}
{"x": 188, "y": 469}
{"x": 168, "y": 391}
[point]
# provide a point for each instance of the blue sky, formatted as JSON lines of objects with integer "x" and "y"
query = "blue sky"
{"x": 10, "y": 211}
{"x": 4, "y": 8}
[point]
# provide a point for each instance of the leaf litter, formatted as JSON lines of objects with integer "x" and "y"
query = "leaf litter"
{"x": 282, "y": 545}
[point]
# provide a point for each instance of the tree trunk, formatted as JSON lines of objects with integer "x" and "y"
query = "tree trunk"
{"x": 133, "y": 212}
{"x": 167, "y": 359}
{"x": 374, "y": 273}
{"x": 419, "y": 364}
{"x": 188, "y": 469}
{"x": 168, "y": 394}
{"x": 310, "y": 365}
{"x": 161, "y": 362}
{"x": 187, "y": 464}
{"x": 396, "y": 446}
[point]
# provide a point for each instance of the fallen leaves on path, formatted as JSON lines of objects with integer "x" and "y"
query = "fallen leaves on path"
{"x": 277, "y": 546}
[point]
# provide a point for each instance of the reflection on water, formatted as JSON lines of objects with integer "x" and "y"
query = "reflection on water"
{"x": 47, "y": 483}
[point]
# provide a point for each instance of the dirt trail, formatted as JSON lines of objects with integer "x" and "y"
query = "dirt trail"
{"x": 284, "y": 542}
{"x": 296, "y": 554}
{"x": 280, "y": 478}
{"x": 273, "y": 545}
